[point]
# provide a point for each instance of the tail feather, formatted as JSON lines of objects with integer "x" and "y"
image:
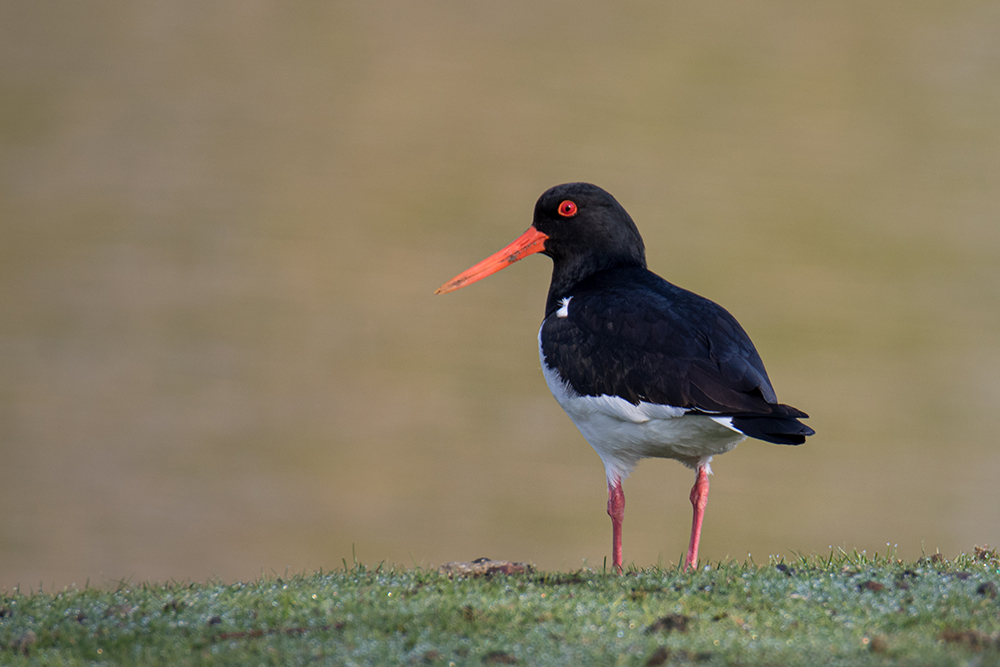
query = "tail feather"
{"x": 779, "y": 430}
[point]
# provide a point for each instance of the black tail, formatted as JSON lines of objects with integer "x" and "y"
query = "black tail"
{"x": 781, "y": 428}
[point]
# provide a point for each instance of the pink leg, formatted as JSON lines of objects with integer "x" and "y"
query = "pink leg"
{"x": 616, "y": 510}
{"x": 699, "y": 498}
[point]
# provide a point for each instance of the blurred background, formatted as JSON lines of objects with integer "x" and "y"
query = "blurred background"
{"x": 221, "y": 226}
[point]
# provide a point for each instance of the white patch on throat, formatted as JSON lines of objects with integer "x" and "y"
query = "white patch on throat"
{"x": 564, "y": 308}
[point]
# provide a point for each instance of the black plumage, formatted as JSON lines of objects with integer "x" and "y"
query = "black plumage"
{"x": 629, "y": 333}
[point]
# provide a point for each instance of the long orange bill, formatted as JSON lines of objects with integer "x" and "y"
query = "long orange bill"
{"x": 528, "y": 243}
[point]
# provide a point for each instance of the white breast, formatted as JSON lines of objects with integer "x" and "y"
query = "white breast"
{"x": 623, "y": 433}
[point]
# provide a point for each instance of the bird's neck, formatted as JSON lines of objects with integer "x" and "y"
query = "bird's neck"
{"x": 568, "y": 274}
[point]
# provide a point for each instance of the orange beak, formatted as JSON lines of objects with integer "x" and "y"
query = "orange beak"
{"x": 528, "y": 243}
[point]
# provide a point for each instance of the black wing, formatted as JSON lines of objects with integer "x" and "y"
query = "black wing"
{"x": 631, "y": 334}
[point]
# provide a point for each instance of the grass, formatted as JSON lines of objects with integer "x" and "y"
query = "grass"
{"x": 845, "y": 609}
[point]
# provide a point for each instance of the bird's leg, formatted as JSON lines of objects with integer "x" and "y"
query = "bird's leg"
{"x": 699, "y": 498}
{"x": 616, "y": 510}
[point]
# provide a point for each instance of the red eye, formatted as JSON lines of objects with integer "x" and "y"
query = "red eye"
{"x": 567, "y": 209}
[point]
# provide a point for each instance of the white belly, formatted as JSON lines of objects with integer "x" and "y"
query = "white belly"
{"x": 623, "y": 433}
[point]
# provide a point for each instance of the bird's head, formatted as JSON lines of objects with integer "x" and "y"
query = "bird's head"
{"x": 580, "y": 226}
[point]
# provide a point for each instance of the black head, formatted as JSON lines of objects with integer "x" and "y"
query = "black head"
{"x": 587, "y": 230}
{"x": 581, "y": 227}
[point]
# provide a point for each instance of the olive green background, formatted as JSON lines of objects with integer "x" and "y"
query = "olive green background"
{"x": 221, "y": 225}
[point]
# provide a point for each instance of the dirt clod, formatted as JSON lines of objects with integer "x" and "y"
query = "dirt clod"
{"x": 878, "y": 644}
{"x": 659, "y": 657}
{"x": 971, "y": 638}
{"x": 24, "y": 643}
{"x": 987, "y": 589}
{"x": 484, "y": 567}
{"x": 669, "y": 623}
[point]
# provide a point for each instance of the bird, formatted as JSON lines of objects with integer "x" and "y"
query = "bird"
{"x": 642, "y": 367}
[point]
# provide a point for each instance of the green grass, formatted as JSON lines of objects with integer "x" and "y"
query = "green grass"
{"x": 846, "y": 609}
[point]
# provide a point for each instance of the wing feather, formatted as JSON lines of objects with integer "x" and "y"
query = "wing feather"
{"x": 647, "y": 340}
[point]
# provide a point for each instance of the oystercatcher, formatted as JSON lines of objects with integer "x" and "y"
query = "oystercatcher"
{"x": 642, "y": 367}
